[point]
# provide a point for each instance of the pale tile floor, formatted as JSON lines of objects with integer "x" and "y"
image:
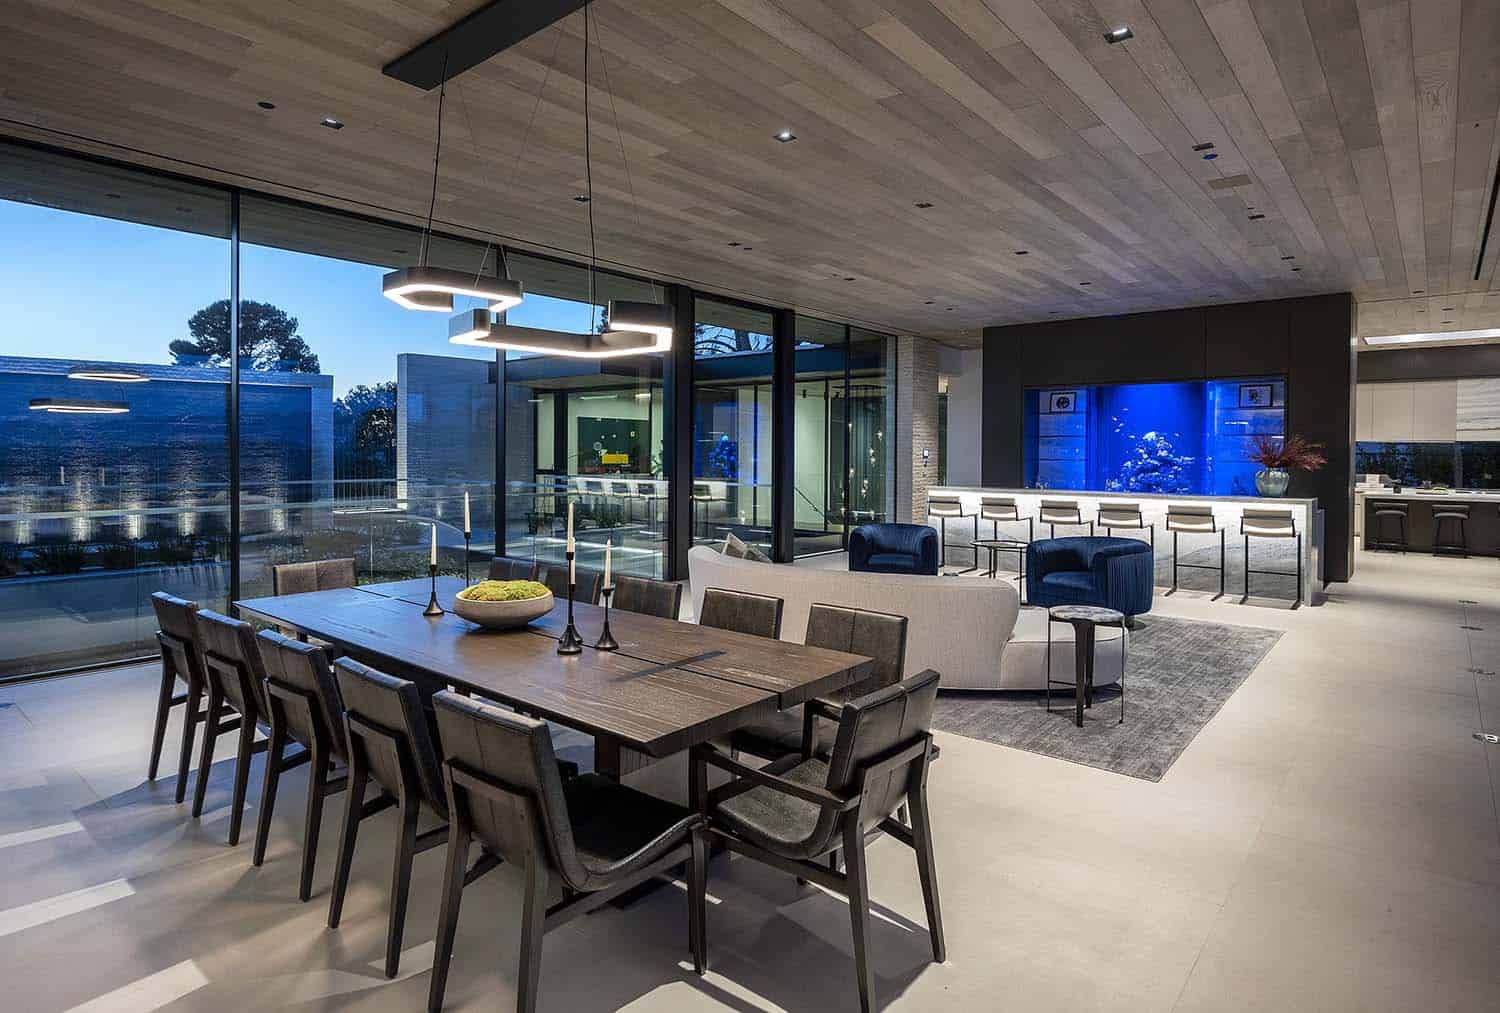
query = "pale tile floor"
{"x": 1328, "y": 842}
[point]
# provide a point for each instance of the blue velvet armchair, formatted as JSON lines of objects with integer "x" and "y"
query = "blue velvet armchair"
{"x": 1117, "y": 573}
{"x": 893, "y": 548}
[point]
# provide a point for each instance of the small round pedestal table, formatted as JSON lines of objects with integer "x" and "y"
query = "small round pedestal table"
{"x": 1084, "y": 619}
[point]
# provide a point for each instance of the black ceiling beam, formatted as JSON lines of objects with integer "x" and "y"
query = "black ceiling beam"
{"x": 492, "y": 29}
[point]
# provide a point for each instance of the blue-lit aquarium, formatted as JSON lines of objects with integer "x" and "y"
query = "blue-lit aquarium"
{"x": 1189, "y": 438}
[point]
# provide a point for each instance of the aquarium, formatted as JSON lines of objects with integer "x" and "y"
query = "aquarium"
{"x": 1190, "y": 438}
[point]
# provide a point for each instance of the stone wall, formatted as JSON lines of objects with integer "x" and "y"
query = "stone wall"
{"x": 916, "y": 426}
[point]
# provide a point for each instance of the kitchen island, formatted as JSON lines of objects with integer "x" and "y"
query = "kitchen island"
{"x": 1481, "y": 531}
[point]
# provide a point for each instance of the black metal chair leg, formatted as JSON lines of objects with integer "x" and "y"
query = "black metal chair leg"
{"x": 163, "y": 711}
{"x": 353, "y": 803}
{"x": 698, "y": 901}
{"x": 206, "y": 755}
{"x": 243, "y": 756}
{"x": 268, "y": 791}
{"x": 1298, "y": 602}
{"x": 317, "y": 791}
{"x": 857, "y": 881}
{"x": 447, "y": 927}
{"x": 927, "y": 871}
{"x": 1246, "y": 596}
{"x": 406, "y": 849}
{"x": 189, "y": 727}
{"x": 1174, "y": 562}
{"x": 533, "y": 925}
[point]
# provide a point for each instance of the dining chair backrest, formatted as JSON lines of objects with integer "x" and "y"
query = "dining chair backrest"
{"x": 177, "y": 632}
{"x": 385, "y": 723}
{"x": 506, "y": 784}
{"x": 660, "y": 598}
{"x": 879, "y": 636}
{"x": 873, "y": 728}
{"x": 299, "y": 672}
{"x": 315, "y": 575}
{"x": 232, "y": 660}
{"x": 1060, "y": 511}
{"x": 555, "y": 576}
{"x": 511, "y": 568}
{"x": 1191, "y": 517}
{"x": 999, "y": 508}
{"x": 742, "y": 612}
{"x": 1120, "y": 515}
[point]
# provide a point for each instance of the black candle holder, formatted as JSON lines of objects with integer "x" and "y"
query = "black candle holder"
{"x": 433, "y": 607}
{"x": 571, "y": 642}
{"x": 606, "y": 640}
{"x": 467, "y": 580}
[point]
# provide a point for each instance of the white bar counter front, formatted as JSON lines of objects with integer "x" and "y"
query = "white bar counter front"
{"x": 1227, "y": 510}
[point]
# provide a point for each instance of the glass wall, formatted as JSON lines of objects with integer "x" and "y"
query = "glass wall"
{"x": 1469, "y": 464}
{"x": 114, "y": 461}
{"x": 734, "y": 429}
{"x": 585, "y": 431}
{"x": 361, "y": 426}
{"x": 1183, "y": 438}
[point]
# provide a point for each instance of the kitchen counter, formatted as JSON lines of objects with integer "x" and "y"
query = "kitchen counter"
{"x": 1481, "y": 531}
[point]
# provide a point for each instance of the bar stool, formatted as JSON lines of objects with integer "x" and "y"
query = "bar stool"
{"x": 624, "y": 491}
{"x": 944, "y": 507}
{"x": 996, "y": 509}
{"x": 1197, "y": 520}
{"x": 1385, "y": 512}
{"x": 649, "y": 494}
{"x": 702, "y": 493}
{"x": 1453, "y": 514}
{"x": 1125, "y": 516}
{"x": 1063, "y": 511}
{"x": 1263, "y": 523}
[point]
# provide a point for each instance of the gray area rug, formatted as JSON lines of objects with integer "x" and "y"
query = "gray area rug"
{"x": 1177, "y": 676}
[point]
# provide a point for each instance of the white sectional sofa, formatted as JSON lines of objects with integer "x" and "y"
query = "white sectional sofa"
{"x": 971, "y": 629}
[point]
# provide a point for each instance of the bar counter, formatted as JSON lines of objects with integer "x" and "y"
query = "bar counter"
{"x": 1481, "y": 530}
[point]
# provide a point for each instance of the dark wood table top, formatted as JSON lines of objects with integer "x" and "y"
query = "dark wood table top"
{"x": 670, "y": 686}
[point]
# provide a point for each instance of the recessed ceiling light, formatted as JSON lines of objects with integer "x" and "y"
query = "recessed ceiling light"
{"x": 1296, "y": 269}
{"x": 923, "y": 204}
{"x": 785, "y": 135}
{"x": 1256, "y": 218}
{"x": 1022, "y": 253}
{"x": 1447, "y": 321}
{"x": 397, "y": 249}
{"x": 1085, "y": 283}
{"x": 1406, "y": 339}
{"x": 583, "y": 198}
{"x": 849, "y": 279}
{"x": 266, "y": 105}
{"x": 113, "y": 196}
{"x": 1118, "y": 34}
{"x": 747, "y": 249}
{"x": 1289, "y": 257}
{"x": 1447, "y": 309}
{"x": 1210, "y": 156}
{"x": 1416, "y": 291}
{"x": 333, "y": 124}
{"x": 950, "y": 309}
{"x": 732, "y": 244}
{"x": 1205, "y": 146}
{"x": 930, "y": 302}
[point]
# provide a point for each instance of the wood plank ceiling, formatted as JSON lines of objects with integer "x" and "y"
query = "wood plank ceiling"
{"x": 1356, "y": 141}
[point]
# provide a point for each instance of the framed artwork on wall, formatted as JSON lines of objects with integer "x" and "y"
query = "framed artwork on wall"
{"x": 1256, "y": 395}
{"x": 1062, "y": 402}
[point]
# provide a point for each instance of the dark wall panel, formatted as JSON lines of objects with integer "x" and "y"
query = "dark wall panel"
{"x": 1305, "y": 340}
{"x": 1461, "y": 363}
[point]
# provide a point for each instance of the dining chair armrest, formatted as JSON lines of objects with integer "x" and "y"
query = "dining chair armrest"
{"x": 751, "y": 777}
{"x": 815, "y": 708}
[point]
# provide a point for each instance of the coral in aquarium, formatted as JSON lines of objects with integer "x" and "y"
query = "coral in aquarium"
{"x": 1153, "y": 465}
{"x": 724, "y": 458}
{"x": 1294, "y": 453}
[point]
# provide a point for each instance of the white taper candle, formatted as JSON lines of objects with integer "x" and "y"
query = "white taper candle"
{"x": 434, "y": 545}
{"x": 570, "y": 528}
{"x": 609, "y": 547}
{"x": 467, "y": 528}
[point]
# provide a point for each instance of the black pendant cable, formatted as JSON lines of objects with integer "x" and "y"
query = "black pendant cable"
{"x": 588, "y": 167}
{"x": 437, "y": 155}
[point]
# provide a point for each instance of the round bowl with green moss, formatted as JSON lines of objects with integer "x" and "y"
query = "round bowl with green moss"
{"x": 503, "y": 604}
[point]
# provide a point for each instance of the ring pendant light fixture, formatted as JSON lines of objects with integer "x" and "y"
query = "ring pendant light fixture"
{"x": 106, "y": 373}
{"x": 429, "y": 288}
{"x": 635, "y": 327}
{"x": 76, "y": 406}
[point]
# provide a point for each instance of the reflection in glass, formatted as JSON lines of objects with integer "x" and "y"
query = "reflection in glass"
{"x": 97, "y": 511}
{"x": 733, "y": 427}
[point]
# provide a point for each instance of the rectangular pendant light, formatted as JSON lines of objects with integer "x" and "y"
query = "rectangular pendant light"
{"x": 1410, "y": 339}
{"x": 635, "y": 329}
{"x": 433, "y": 289}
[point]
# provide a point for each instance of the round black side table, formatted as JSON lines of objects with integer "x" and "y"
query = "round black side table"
{"x": 1084, "y": 619}
{"x": 995, "y": 546}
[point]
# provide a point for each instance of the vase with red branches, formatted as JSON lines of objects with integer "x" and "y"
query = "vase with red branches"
{"x": 1279, "y": 456}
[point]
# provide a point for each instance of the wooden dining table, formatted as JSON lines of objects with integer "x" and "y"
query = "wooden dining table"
{"x": 668, "y": 687}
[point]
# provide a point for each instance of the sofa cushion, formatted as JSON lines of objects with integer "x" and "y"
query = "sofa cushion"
{"x": 1081, "y": 581}
{"x": 894, "y": 561}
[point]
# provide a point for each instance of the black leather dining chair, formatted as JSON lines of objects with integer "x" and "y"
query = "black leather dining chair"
{"x": 390, "y": 740}
{"x": 303, "y": 705}
{"x": 589, "y": 837}
{"x": 800, "y": 808}
{"x": 555, "y": 576}
{"x": 660, "y": 598}
{"x": 235, "y": 681}
{"x": 181, "y": 659}
{"x": 879, "y": 636}
{"x": 741, "y": 612}
{"x": 511, "y": 568}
